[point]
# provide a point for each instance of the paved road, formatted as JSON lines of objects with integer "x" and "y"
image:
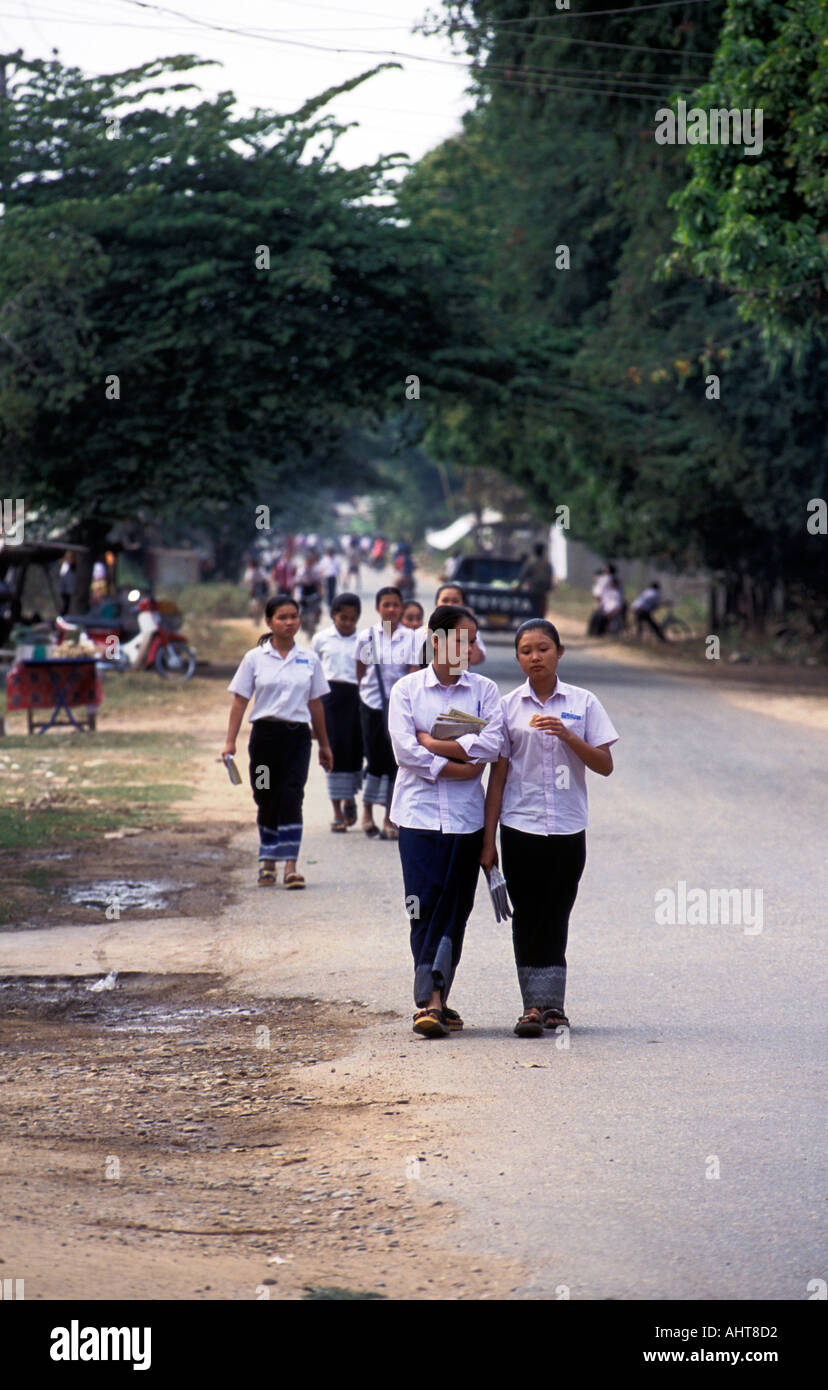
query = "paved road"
{"x": 694, "y": 1049}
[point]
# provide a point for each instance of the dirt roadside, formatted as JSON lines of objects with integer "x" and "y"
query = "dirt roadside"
{"x": 164, "y": 1139}
{"x": 795, "y": 694}
{"x": 154, "y": 1141}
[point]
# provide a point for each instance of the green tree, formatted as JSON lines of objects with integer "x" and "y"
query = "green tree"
{"x": 174, "y": 369}
{"x": 596, "y": 386}
{"x": 757, "y": 225}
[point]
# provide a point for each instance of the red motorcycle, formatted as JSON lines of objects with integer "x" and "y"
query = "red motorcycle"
{"x": 157, "y": 643}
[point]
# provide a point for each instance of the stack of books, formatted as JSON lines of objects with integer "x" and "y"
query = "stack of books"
{"x": 453, "y": 723}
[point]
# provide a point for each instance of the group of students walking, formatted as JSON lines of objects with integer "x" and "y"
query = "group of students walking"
{"x": 374, "y": 695}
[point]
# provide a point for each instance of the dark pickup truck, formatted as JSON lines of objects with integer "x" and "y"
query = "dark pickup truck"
{"x": 490, "y": 583}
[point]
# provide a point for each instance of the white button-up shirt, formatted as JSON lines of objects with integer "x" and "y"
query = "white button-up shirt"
{"x": 337, "y": 654}
{"x": 545, "y": 791}
{"x": 282, "y": 685}
{"x": 423, "y": 800}
{"x": 392, "y": 655}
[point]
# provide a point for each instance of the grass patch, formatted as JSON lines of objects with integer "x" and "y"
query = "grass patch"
{"x": 224, "y": 641}
{"x": 76, "y": 787}
{"x": 212, "y": 600}
{"x": 39, "y": 877}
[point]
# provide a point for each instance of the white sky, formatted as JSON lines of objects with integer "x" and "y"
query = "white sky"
{"x": 410, "y": 110}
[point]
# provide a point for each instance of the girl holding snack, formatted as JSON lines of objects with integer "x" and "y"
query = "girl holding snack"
{"x": 552, "y": 733}
{"x": 336, "y": 648}
{"x": 287, "y": 684}
{"x": 439, "y": 805}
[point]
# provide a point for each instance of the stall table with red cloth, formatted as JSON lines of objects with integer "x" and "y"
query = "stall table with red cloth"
{"x": 54, "y": 685}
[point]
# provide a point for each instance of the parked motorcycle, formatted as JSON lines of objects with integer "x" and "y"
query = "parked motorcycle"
{"x": 157, "y": 643}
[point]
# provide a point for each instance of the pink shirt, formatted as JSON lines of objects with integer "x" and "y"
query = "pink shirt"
{"x": 545, "y": 791}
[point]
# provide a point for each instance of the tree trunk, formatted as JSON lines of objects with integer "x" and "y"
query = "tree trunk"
{"x": 91, "y": 532}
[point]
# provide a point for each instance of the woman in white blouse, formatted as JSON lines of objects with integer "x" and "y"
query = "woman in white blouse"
{"x": 438, "y": 805}
{"x": 552, "y": 733}
{"x": 384, "y": 653}
{"x": 287, "y": 684}
{"x": 336, "y": 648}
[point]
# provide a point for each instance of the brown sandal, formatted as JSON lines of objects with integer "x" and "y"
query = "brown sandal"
{"x": 294, "y": 880}
{"x": 553, "y": 1019}
{"x": 530, "y": 1024}
{"x": 430, "y": 1023}
{"x": 267, "y": 878}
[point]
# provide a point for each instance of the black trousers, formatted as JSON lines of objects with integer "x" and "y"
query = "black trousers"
{"x": 379, "y": 755}
{"x": 641, "y": 618}
{"x": 378, "y": 751}
{"x": 279, "y": 763}
{"x": 440, "y": 874}
{"x": 542, "y": 875}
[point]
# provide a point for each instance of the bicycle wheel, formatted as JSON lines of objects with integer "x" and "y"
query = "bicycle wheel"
{"x": 175, "y": 661}
{"x": 676, "y": 627}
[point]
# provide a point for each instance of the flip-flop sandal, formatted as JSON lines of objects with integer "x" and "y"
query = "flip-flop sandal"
{"x": 388, "y": 835}
{"x": 339, "y": 826}
{"x": 350, "y": 812}
{"x": 430, "y": 1023}
{"x": 530, "y": 1024}
{"x": 266, "y": 878}
{"x": 552, "y": 1019}
{"x": 453, "y": 1019}
{"x": 372, "y": 832}
{"x": 294, "y": 881}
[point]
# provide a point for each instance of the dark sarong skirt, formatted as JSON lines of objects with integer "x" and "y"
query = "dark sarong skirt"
{"x": 344, "y": 727}
{"x": 542, "y": 875}
{"x": 279, "y": 763}
{"x": 440, "y": 877}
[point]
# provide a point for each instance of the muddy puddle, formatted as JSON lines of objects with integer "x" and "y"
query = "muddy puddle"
{"x": 149, "y": 895}
{"x": 126, "y": 1002}
{"x": 181, "y": 872}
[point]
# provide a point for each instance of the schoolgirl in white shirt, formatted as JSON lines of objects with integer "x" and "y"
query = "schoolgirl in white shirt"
{"x": 552, "y": 733}
{"x": 336, "y": 647}
{"x": 438, "y": 806}
{"x": 287, "y": 683}
{"x": 385, "y": 652}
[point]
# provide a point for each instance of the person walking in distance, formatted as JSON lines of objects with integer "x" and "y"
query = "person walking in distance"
{"x": 644, "y": 606}
{"x": 385, "y": 652}
{"x": 286, "y": 683}
{"x": 552, "y": 733}
{"x": 336, "y": 648}
{"x": 536, "y": 575}
{"x": 329, "y": 570}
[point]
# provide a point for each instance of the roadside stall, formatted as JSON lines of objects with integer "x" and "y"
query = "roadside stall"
{"x": 53, "y": 681}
